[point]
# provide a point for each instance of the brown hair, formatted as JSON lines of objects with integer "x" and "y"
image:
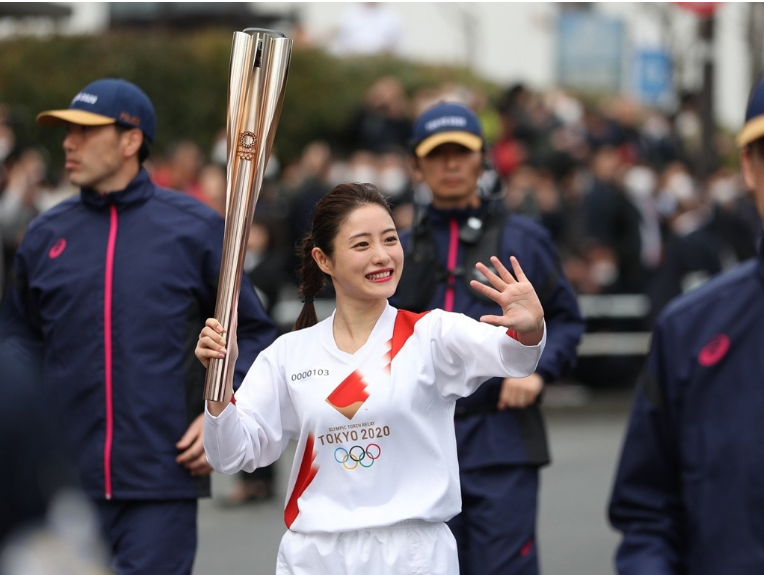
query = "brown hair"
{"x": 330, "y": 213}
{"x": 144, "y": 151}
{"x": 756, "y": 147}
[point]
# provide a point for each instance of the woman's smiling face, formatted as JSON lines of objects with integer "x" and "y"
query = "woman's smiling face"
{"x": 368, "y": 257}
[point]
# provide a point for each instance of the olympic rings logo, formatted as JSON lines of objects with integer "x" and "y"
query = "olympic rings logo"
{"x": 247, "y": 142}
{"x": 357, "y": 455}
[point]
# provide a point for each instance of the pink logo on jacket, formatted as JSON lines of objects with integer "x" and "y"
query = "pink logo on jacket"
{"x": 57, "y": 249}
{"x": 714, "y": 350}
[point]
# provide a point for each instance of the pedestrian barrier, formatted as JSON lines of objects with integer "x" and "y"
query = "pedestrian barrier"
{"x": 621, "y": 307}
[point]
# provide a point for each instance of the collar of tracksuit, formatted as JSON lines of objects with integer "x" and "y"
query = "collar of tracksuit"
{"x": 137, "y": 191}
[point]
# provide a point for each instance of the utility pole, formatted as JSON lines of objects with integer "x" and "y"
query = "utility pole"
{"x": 755, "y": 38}
{"x": 708, "y": 154}
{"x": 706, "y": 12}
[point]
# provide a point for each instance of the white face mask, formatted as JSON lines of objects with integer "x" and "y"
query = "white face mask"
{"x": 272, "y": 167}
{"x": 7, "y": 141}
{"x": 666, "y": 204}
{"x": 640, "y": 182}
{"x": 724, "y": 191}
{"x": 219, "y": 153}
{"x": 362, "y": 173}
{"x": 656, "y": 127}
{"x": 603, "y": 272}
{"x": 339, "y": 173}
{"x": 392, "y": 181}
{"x": 681, "y": 186}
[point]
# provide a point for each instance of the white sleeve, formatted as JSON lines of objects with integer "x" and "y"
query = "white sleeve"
{"x": 467, "y": 352}
{"x": 255, "y": 430}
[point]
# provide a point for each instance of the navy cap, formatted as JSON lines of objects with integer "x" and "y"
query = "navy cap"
{"x": 444, "y": 123}
{"x": 107, "y": 101}
{"x": 753, "y": 129}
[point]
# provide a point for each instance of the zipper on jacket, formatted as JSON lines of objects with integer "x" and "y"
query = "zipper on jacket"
{"x": 453, "y": 250}
{"x": 107, "y": 346}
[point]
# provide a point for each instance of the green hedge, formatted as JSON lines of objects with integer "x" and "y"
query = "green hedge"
{"x": 186, "y": 75}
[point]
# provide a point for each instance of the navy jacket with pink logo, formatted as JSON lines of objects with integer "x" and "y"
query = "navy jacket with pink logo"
{"x": 485, "y": 436}
{"x": 688, "y": 494}
{"x": 113, "y": 291}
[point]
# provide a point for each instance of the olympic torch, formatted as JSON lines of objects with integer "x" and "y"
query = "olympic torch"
{"x": 256, "y": 81}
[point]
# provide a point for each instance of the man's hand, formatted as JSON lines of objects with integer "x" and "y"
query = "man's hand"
{"x": 520, "y": 392}
{"x": 191, "y": 447}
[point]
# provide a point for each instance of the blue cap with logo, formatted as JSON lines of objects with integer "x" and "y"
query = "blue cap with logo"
{"x": 753, "y": 128}
{"x": 446, "y": 122}
{"x": 107, "y": 101}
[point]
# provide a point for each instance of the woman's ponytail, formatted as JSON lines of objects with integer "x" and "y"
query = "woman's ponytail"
{"x": 312, "y": 282}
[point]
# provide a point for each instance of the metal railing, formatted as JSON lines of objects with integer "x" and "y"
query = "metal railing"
{"x": 621, "y": 306}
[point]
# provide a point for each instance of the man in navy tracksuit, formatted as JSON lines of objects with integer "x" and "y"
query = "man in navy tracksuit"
{"x": 501, "y": 439}
{"x": 687, "y": 495}
{"x": 111, "y": 287}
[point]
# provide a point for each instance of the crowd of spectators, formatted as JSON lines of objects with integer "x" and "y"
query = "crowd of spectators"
{"x": 615, "y": 183}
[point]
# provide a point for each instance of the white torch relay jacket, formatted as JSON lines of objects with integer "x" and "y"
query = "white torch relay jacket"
{"x": 374, "y": 429}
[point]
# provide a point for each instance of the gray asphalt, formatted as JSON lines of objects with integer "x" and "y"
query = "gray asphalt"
{"x": 585, "y": 430}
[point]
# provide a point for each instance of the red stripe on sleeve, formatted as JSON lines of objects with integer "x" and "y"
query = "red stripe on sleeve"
{"x": 403, "y": 329}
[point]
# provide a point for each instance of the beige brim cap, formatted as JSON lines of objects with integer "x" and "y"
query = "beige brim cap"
{"x": 466, "y": 139}
{"x": 752, "y": 130}
{"x": 79, "y": 117}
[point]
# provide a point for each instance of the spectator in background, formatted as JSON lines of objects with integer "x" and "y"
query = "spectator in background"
{"x": 7, "y": 143}
{"x": 687, "y": 127}
{"x": 305, "y": 183}
{"x": 601, "y": 130}
{"x": 703, "y": 238}
{"x": 534, "y": 193}
{"x": 519, "y": 135}
{"x": 179, "y": 169}
{"x": 734, "y": 217}
{"x": 660, "y": 146}
{"x": 691, "y": 255}
{"x": 7, "y": 133}
{"x": 21, "y": 196}
{"x": 382, "y": 123}
{"x": 640, "y": 183}
{"x": 612, "y": 224}
{"x": 212, "y": 186}
{"x": 376, "y": 143}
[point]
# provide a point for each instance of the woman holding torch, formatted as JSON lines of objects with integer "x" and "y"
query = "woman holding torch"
{"x": 368, "y": 395}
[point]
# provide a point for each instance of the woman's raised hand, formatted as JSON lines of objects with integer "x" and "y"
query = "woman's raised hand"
{"x": 520, "y": 306}
{"x": 211, "y": 343}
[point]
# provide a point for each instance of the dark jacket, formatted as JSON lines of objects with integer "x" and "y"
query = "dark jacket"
{"x": 114, "y": 290}
{"x": 484, "y": 435}
{"x": 688, "y": 492}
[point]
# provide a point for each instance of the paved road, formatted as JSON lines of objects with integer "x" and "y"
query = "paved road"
{"x": 574, "y": 537}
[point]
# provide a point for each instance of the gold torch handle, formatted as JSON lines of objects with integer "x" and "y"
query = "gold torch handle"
{"x": 257, "y": 79}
